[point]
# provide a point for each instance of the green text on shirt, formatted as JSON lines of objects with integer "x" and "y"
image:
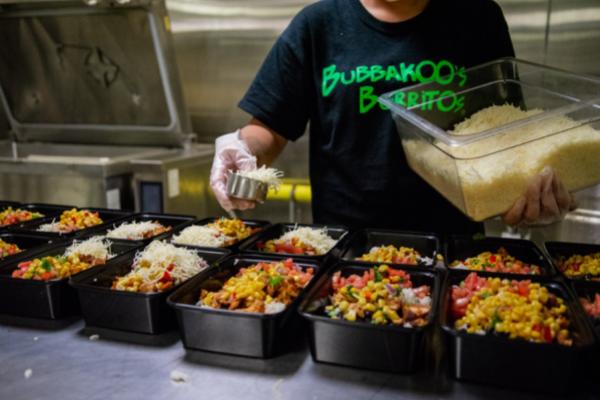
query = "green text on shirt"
{"x": 442, "y": 72}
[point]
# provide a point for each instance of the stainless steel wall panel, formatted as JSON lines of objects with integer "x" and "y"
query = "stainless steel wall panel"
{"x": 527, "y": 23}
{"x": 574, "y": 36}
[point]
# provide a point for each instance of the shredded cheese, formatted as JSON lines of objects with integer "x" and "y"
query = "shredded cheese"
{"x": 201, "y": 235}
{"x": 317, "y": 238}
{"x": 484, "y": 178}
{"x": 150, "y": 264}
{"x": 96, "y": 247}
{"x": 270, "y": 176}
{"x": 134, "y": 230}
{"x": 50, "y": 227}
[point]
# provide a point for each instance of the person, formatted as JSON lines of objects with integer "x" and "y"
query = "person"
{"x": 328, "y": 68}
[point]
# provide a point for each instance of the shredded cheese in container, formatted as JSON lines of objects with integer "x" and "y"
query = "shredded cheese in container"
{"x": 137, "y": 230}
{"x": 159, "y": 267}
{"x": 97, "y": 247}
{"x": 304, "y": 240}
{"x": 201, "y": 235}
{"x": 269, "y": 176}
{"x": 317, "y": 238}
{"x": 484, "y": 178}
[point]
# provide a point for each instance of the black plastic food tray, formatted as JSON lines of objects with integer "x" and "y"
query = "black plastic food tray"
{"x": 257, "y": 225}
{"x": 7, "y": 203}
{"x": 235, "y": 332}
{"x": 589, "y": 290}
{"x": 428, "y": 245}
{"x": 147, "y": 313}
{"x": 462, "y": 247}
{"x": 109, "y": 217}
{"x": 338, "y": 233}
{"x": 29, "y": 243}
{"x": 514, "y": 363}
{"x": 168, "y": 220}
{"x": 362, "y": 344}
{"x": 564, "y": 250}
{"x": 39, "y": 299}
{"x": 48, "y": 210}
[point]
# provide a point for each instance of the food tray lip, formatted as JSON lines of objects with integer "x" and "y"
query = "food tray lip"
{"x": 75, "y": 281}
{"x": 580, "y": 285}
{"x": 574, "y": 313}
{"x": 103, "y": 229}
{"x": 30, "y": 226}
{"x": 548, "y": 245}
{"x": 546, "y": 264}
{"x": 50, "y": 240}
{"x": 9, "y": 203}
{"x": 367, "y": 231}
{"x": 43, "y": 251}
{"x": 322, "y": 281}
{"x": 263, "y": 224}
{"x": 29, "y": 206}
{"x": 204, "y": 275}
{"x": 454, "y": 141}
{"x": 248, "y": 247}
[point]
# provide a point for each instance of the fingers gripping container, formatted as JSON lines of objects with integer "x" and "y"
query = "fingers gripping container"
{"x": 148, "y": 313}
{"x": 461, "y": 247}
{"x": 362, "y": 344}
{"x": 514, "y": 363}
{"x": 236, "y": 332}
{"x": 484, "y": 170}
{"x": 53, "y": 299}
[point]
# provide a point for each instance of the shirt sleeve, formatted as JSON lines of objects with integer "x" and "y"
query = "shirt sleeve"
{"x": 279, "y": 95}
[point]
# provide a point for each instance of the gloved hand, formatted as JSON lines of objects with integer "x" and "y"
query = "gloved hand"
{"x": 231, "y": 153}
{"x": 545, "y": 201}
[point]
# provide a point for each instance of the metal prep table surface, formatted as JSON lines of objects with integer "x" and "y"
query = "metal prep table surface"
{"x": 67, "y": 365}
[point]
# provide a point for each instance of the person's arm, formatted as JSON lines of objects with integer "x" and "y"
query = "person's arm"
{"x": 264, "y": 143}
{"x": 278, "y": 101}
{"x": 253, "y": 145}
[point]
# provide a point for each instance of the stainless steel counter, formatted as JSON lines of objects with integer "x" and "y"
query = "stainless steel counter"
{"x": 65, "y": 364}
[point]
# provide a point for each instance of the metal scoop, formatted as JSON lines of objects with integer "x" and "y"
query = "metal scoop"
{"x": 244, "y": 188}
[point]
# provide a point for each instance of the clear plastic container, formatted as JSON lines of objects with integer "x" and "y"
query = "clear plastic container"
{"x": 487, "y": 167}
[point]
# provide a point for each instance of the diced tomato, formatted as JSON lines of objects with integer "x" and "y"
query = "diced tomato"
{"x": 523, "y": 288}
{"x": 166, "y": 277}
{"x": 547, "y": 334}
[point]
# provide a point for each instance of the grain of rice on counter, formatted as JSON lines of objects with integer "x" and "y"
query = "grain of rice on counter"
{"x": 491, "y": 183}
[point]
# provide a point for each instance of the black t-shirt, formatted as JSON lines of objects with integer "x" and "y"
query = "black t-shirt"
{"x": 328, "y": 68}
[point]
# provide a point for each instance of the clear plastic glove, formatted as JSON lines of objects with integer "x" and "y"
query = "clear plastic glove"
{"x": 231, "y": 154}
{"x": 545, "y": 201}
